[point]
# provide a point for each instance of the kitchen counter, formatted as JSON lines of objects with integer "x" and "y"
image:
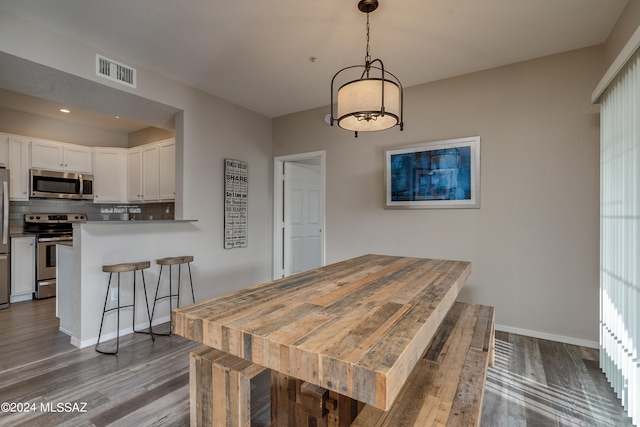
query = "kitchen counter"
{"x": 98, "y": 243}
{"x": 20, "y": 234}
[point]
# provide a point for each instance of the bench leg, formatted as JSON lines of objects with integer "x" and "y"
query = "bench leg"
{"x": 220, "y": 389}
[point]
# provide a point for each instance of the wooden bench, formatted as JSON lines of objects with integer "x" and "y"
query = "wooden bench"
{"x": 447, "y": 384}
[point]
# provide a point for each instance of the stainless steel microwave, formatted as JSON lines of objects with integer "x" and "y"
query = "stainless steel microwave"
{"x": 60, "y": 185}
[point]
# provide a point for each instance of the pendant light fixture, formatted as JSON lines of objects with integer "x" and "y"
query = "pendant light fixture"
{"x": 373, "y": 101}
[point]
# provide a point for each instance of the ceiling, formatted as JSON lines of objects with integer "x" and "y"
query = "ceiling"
{"x": 41, "y": 107}
{"x": 257, "y": 54}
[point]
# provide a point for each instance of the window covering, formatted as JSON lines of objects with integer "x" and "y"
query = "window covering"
{"x": 620, "y": 234}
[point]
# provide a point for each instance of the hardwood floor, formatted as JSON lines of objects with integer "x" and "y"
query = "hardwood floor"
{"x": 534, "y": 382}
{"x": 543, "y": 383}
{"x": 29, "y": 333}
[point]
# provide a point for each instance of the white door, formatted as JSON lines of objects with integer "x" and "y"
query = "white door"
{"x": 302, "y": 217}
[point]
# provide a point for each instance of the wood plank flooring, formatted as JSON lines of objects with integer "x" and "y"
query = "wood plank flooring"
{"x": 533, "y": 383}
{"x": 543, "y": 383}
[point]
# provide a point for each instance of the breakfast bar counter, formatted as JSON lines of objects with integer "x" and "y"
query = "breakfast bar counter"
{"x": 82, "y": 282}
{"x": 357, "y": 327}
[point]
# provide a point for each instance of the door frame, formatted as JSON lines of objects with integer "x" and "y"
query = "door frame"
{"x": 278, "y": 205}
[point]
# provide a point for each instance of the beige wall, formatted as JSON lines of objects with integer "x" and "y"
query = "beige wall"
{"x": 149, "y": 135}
{"x": 625, "y": 27}
{"x": 534, "y": 241}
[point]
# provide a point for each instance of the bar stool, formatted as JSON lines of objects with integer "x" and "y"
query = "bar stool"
{"x": 123, "y": 268}
{"x": 171, "y": 261}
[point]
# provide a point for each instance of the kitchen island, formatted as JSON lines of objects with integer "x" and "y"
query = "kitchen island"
{"x": 82, "y": 284}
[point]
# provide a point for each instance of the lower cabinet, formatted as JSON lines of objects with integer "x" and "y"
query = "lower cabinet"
{"x": 23, "y": 268}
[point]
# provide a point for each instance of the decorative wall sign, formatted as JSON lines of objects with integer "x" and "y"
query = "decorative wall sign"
{"x": 440, "y": 174}
{"x": 236, "y": 190}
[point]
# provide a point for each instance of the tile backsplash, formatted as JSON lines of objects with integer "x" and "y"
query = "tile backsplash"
{"x": 94, "y": 211}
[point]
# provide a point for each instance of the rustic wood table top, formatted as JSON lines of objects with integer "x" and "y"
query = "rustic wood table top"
{"x": 357, "y": 327}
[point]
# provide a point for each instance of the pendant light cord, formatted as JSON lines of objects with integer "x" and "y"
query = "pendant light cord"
{"x": 367, "y": 57}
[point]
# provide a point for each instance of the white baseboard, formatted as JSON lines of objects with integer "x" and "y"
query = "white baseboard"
{"x": 20, "y": 298}
{"x": 546, "y": 336}
{"x": 112, "y": 335}
{"x": 66, "y": 331}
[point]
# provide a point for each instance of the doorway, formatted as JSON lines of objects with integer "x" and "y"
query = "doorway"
{"x": 299, "y": 213}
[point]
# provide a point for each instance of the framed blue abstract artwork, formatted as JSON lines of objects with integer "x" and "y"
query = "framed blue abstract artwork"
{"x": 439, "y": 174}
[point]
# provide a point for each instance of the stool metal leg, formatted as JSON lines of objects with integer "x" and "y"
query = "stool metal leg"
{"x": 104, "y": 311}
{"x": 193, "y": 295}
{"x": 171, "y": 294}
{"x": 179, "y": 285}
{"x": 118, "y": 307}
{"x": 155, "y": 300}
{"x": 146, "y": 300}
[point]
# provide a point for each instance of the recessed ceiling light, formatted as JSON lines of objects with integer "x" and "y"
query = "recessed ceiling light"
{"x": 64, "y": 110}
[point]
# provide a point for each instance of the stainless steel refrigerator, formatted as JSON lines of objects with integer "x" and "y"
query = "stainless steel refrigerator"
{"x": 4, "y": 239}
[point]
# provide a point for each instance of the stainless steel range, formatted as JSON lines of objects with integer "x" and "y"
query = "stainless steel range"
{"x": 50, "y": 230}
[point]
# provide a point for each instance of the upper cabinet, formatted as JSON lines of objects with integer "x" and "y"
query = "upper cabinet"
{"x": 134, "y": 174}
{"x": 4, "y": 150}
{"x": 59, "y": 156}
{"x": 141, "y": 174}
{"x": 167, "y": 164}
{"x": 18, "y": 163}
{"x": 151, "y": 172}
{"x": 109, "y": 175}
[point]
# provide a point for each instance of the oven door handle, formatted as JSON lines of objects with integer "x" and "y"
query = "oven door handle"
{"x": 54, "y": 239}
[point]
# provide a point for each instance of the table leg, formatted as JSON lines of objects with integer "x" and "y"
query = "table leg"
{"x": 296, "y": 403}
{"x": 220, "y": 388}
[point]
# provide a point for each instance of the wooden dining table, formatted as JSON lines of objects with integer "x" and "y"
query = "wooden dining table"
{"x": 357, "y": 327}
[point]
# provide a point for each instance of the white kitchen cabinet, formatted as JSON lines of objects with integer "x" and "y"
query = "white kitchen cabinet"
{"x": 18, "y": 168}
{"x": 46, "y": 155}
{"x": 23, "y": 270}
{"x": 78, "y": 158}
{"x": 134, "y": 174}
{"x": 150, "y": 172}
{"x": 4, "y": 150}
{"x": 59, "y": 156}
{"x": 167, "y": 169}
{"x": 109, "y": 175}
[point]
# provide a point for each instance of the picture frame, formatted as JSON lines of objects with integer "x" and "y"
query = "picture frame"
{"x": 434, "y": 175}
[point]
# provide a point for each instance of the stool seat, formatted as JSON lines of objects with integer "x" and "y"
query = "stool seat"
{"x": 126, "y": 266}
{"x": 175, "y": 260}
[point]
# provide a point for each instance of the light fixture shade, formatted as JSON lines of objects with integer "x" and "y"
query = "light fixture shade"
{"x": 360, "y": 102}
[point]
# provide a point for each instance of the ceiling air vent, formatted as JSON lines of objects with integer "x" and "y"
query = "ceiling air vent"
{"x": 115, "y": 71}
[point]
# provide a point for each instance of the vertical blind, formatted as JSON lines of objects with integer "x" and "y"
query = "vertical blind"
{"x": 620, "y": 235}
